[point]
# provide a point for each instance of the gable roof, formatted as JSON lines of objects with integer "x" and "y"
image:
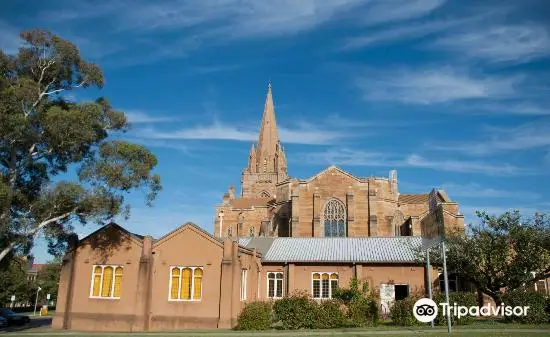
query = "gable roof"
{"x": 188, "y": 226}
{"x": 334, "y": 250}
{"x": 423, "y": 198}
{"x": 334, "y": 167}
{"x": 134, "y": 237}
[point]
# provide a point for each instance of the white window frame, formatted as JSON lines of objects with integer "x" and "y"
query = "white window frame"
{"x": 275, "y": 284}
{"x": 181, "y": 268}
{"x": 321, "y": 284}
{"x": 114, "y": 266}
{"x": 244, "y": 278}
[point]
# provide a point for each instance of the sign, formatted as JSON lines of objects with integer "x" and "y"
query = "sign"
{"x": 48, "y": 296}
{"x": 13, "y": 298}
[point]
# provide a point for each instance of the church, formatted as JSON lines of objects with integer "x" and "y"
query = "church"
{"x": 279, "y": 235}
{"x": 332, "y": 203}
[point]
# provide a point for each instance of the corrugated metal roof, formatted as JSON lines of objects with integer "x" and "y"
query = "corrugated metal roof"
{"x": 368, "y": 249}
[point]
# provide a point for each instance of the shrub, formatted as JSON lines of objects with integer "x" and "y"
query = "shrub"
{"x": 296, "y": 311}
{"x": 536, "y": 314}
{"x": 255, "y": 316}
{"x": 363, "y": 312}
{"x": 467, "y": 299}
{"x": 329, "y": 315}
{"x": 357, "y": 289}
{"x": 401, "y": 313}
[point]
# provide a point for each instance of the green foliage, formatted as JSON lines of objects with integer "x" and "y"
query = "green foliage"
{"x": 13, "y": 281}
{"x": 362, "y": 307}
{"x": 501, "y": 252}
{"x": 363, "y": 312}
{"x": 42, "y": 135}
{"x": 255, "y": 316}
{"x": 467, "y": 299}
{"x": 48, "y": 280}
{"x": 297, "y": 311}
{"x": 357, "y": 289}
{"x": 329, "y": 315}
{"x": 401, "y": 313}
{"x": 536, "y": 314}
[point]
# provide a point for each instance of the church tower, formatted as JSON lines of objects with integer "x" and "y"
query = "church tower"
{"x": 267, "y": 161}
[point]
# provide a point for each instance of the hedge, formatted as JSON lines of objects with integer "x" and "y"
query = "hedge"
{"x": 297, "y": 311}
{"x": 467, "y": 299}
{"x": 255, "y": 316}
{"x": 536, "y": 314}
{"x": 401, "y": 313}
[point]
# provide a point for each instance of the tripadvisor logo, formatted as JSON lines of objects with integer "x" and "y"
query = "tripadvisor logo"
{"x": 425, "y": 310}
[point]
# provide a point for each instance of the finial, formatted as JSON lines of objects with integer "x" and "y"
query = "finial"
{"x": 269, "y": 84}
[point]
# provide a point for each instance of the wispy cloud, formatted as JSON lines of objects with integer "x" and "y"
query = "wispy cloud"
{"x": 523, "y": 137}
{"x": 398, "y": 10}
{"x": 352, "y": 157}
{"x": 503, "y": 43}
{"x": 9, "y": 38}
{"x": 139, "y": 117}
{"x": 474, "y": 190}
{"x": 432, "y": 85}
{"x": 220, "y": 131}
{"x": 513, "y": 107}
{"x": 525, "y": 210}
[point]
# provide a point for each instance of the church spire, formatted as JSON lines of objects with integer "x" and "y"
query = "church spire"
{"x": 268, "y": 142}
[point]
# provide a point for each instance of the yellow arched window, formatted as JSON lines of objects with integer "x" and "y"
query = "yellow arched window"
{"x": 118, "y": 282}
{"x": 186, "y": 283}
{"x": 106, "y": 285}
{"x": 323, "y": 284}
{"x": 197, "y": 286}
{"x": 174, "y": 289}
{"x": 106, "y": 281}
{"x": 96, "y": 279}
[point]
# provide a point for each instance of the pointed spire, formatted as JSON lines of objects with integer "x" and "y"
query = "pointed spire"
{"x": 252, "y": 159}
{"x": 268, "y": 130}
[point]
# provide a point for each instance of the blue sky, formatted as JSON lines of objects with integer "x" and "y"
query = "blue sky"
{"x": 452, "y": 94}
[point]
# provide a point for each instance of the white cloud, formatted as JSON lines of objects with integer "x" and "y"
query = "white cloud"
{"x": 396, "y": 10}
{"x": 523, "y": 137}
{"x": 9, "y": 38}
{"x": 139, "y": 117}
{"x": 504, "y": 43}
{"x": 220, "y": 131}
{"x": 352, "y": 157}
{"x": 516, "y": 108}
{"x": 432, "y": 85}
{"x": 474, "y": 190}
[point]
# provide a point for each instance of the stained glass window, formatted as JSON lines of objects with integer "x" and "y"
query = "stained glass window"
{"x": 186, "y": 283}
{"x": 106, "y": 281}
{"x": 323, "y": 284}
{"x": 334, "y": 218}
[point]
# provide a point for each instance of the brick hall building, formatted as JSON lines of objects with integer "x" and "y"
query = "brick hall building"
{"x": 280, "y": 234}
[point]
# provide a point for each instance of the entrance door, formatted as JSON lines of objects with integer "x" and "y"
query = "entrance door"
{"x": 401, "y": 291}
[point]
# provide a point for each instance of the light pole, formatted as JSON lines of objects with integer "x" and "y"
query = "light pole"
{"x": 36, "y": 300}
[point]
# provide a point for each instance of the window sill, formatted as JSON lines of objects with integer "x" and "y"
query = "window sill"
{"x": 195, "y": 301}
{"x": 103, "y": 298}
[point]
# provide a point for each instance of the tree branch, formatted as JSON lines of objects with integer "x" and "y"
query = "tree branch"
{"x": 35, "y": 231}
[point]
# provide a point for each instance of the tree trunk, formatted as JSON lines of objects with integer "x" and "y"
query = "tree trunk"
{"x": 480, "y": 299}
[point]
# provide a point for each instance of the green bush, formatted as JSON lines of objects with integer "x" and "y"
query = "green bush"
{"x": 329, "y": 315}
{"x": 401, "y": 313}
{"x": 536, "y": 314}
{"x": 357, "y": 289}
{"x": 297, "y": 311}
{"x": 363, "y": 312}
{"x": 467, "y": 299}
{"x": 255, "y": 316}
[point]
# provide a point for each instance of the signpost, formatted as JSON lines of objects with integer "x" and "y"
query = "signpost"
{"x": 436, "y": 237}
{"x": 36, "y": 300}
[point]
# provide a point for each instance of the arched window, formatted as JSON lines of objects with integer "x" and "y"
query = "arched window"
{"x": 186, "y": 283}
{"x": 334, "y": 218}
{"x": 106, "y": 281}
{"x": 252, "y": 232}
{"x": 264, "y": 194}
{"x": 230, "y": 231}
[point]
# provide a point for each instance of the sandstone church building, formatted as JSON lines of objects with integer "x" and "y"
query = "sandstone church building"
{"x": 279, "y": 235}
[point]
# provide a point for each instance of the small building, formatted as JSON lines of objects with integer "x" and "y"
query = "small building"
{"x": 114, "y": 280}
